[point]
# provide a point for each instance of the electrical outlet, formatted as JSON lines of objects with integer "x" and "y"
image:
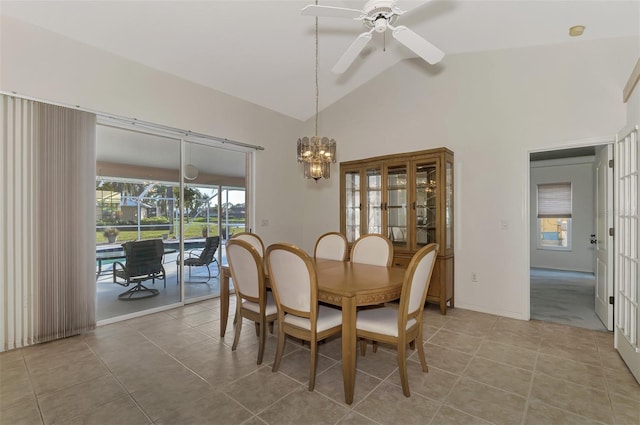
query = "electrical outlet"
{"x": 474, "y": 277}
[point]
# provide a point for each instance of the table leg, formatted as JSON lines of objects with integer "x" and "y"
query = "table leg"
{"x": 224, "y": 300}
{"x": 349, "y": 347}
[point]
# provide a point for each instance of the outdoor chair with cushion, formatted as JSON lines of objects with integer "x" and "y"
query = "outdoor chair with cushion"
{"x": 203, "y": 257}
{"x": 143, "y": 262}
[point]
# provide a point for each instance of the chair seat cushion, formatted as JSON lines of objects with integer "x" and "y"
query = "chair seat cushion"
{"x": 271, "y": 308}
{"x": 382, "y": 320}
{"x": 328, "y": 318}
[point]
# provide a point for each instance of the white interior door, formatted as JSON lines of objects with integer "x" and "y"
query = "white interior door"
{"x": 627, "y": 264}
{"x": 604, "y": 240}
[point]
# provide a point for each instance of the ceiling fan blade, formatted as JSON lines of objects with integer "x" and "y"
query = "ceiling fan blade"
{"x": 418, "y": 45}
{"x": 352, "y": 52}
{"x": 331, "y": 12}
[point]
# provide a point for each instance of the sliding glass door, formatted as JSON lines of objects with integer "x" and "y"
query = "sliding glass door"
{"x": 139, "y": 198}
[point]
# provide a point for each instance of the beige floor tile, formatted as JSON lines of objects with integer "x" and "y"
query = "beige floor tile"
{"x": 354, "y": 418}
{"x": 331, "y": 384}
{"x": 585, "y": 353}
{"x": 539, "y": 413}
{"x": 303, "y": 407}
{"x": 500, "y": 375}
{"x": 486, "y": 402}
{"x": 212, "y": 407}
{"x": 180, "y": 371}
{"x": 48, "y": 380}
{"x": 77, "y": 400}
{"x": 387, "y": 405}
{"x": 449, "y": 416}
{"x": 612, "y": 360}
{"x": 569, "y": 370}
{"x": 501, "y": 353}
{"x": 23, "y": 412}
{"x": 120, "y": 411}
{"x": 443, "y": 358}
{"x": 260, "y": 389}
{"x": 457, "y": 341}
{"x": 527, "y": 341}
{"x": 435, "y": 384}
{"x": 165, "y": 393}
{"x": 15, "y": 384}
{"x": 625, "y": 410}
{"x": 622, "y": 383}
{"x": 479, "y": 327}
{"x": 380, "y": 364}
{"x": 297, "y": 365}
{"x": 577, "y": 399}
{"x": 522, "y": 327}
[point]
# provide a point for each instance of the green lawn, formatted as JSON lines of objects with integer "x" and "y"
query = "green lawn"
{"x": 192, "y": 230}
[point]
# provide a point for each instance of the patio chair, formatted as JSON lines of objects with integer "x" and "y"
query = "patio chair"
{"x": 143, "y": 262}
{"x": 202, "y": 258}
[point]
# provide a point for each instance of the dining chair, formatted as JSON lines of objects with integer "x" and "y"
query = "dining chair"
{"x": 253, "y": 239}
{"x": 253, "y": 301}
{"x": 372, "y": 249}
{"x": 331, "y": 246}
{"x": 294, "y": 283}
{"x": 402, "y": 324}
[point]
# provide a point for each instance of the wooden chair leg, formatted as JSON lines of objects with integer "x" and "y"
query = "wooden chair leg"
{"x": 261, "y": 340}
{"x": 363, "y": 347}
{"x": 257, "y": 325}
{"x": 238, "y": 326}
{"x": 314, "y": 363}
{"x": 423, "y": 359}
{"x": 271, "y": 328}
{"x": 280, "y": 349}
{"x": 402, "y": 366}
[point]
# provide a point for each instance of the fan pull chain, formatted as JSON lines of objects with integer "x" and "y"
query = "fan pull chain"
{"x": 384, "y": 41}
{"x": 317, "y": 90}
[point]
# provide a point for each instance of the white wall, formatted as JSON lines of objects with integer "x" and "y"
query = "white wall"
{"x": 580, "y": 173}
{"x": 491, "y": 109}
{"x": 38, "y": 63}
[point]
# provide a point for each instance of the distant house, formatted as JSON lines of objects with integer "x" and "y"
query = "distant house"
{"x": 129, "y": 208}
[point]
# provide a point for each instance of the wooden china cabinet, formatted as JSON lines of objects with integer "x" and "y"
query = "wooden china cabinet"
{"x": 409, "y": 198}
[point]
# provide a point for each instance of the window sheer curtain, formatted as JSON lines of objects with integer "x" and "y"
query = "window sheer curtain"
{"x": 47, "y": 225}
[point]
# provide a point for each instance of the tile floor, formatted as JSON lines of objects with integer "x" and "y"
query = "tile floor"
{"x": 172, "y": 368}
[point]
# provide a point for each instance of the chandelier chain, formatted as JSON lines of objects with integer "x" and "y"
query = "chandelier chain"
{"x": 317, "y": 89}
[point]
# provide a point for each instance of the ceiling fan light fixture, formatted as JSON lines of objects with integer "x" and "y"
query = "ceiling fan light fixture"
{"x": 576, "y": 30}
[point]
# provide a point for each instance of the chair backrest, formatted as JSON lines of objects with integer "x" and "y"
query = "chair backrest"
{"x": 293, "y": 279}
{"x": 332, "y": 246}
{"x": 143, "y": 257}
{"x": 210, "y": 248}
{"x": 253, "y": 239}
{"x": 372, "y": 249}
{"x": 416, "y": 282}
{"x": 247, "y": 271}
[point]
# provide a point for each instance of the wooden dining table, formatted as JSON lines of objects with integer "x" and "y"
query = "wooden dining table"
{"x": 348, "y": 286}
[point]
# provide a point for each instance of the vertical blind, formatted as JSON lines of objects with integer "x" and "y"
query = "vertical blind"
{"x": 554, "y": 200}
{"x": 47, "y": 228}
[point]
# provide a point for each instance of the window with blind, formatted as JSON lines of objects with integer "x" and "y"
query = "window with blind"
{"x": 554, "y": 216}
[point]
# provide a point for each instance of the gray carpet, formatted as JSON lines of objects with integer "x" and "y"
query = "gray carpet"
{"x": 564, "y": 297}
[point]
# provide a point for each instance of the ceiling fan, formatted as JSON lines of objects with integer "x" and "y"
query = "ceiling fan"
{"x": 378, "y": 15}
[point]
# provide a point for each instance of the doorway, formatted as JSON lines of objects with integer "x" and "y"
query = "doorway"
{"x": 563, "y": 246}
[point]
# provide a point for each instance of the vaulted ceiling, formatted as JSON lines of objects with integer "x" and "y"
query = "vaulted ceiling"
{"x": 263, "y": 51}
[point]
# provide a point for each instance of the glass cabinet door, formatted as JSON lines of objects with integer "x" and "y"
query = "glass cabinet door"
{"x": 352, "y": 205}
{"x": 374, "y": 200}
{"x": 448, "y": 206}
{"x": 426, "y": 203}
{"x": 396, "y": 204}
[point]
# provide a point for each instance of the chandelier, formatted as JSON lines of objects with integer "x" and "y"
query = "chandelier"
{"x": 316, "y": 153}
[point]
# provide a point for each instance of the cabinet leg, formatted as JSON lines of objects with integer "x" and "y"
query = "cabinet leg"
{"x": 443, "y": 306}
